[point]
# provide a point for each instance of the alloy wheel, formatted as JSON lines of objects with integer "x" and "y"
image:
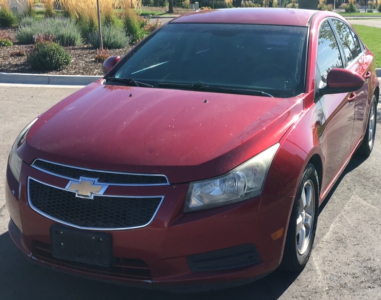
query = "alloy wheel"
{"x": 372, "y": 126}
{"x": 306, "y": 215}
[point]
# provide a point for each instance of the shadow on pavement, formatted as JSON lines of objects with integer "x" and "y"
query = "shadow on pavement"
{"x": 355, "y": 162}
{"x": 21, "y": 279}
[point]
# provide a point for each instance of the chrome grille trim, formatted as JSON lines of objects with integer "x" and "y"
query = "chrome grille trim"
{"x": 90, "y": 228}
{"x": 157, "y": 176}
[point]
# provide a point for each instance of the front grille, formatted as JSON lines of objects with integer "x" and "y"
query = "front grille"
{"x": 102, "y": 176}
{"x": 122, "y": 267}
{"x": 102, "y": 212}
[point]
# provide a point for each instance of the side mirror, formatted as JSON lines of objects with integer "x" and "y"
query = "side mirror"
{"x": 342, "y": 81}
{"x": 110, "y": 63}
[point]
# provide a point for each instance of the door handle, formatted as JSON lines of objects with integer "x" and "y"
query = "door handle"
{"x": 352, "y": 97}
{"x": 367, "y": 74}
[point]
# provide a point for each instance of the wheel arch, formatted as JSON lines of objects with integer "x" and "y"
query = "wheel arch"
{"x": 316, "y": 161}
{"x": 318, "y": 164}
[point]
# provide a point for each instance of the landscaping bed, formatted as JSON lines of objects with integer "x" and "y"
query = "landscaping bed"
{"x": 83, "y": 59}
{"x": 65, "y": 41}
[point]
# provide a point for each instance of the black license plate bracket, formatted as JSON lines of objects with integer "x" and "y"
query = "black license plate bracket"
{"x": 81, "y": 246}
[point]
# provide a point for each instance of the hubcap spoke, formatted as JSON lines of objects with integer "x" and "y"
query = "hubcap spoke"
{"x": 308, "y": 196}
{"x": 308, "y": 221}
{"x": 303, "y": 201}
{"x": 299, "y": 223}
{"x": 372, "y": 125}
{"x": 302, "y": 239}
{"x": 305, "y": 218}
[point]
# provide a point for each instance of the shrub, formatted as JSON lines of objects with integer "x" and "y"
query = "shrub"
{"x": 86, "y": 10}
{"x": 48, "y": 56}
{"x": 31, "y": 11}
{"x": 134, "y": 26}
{"x": 322, "y": 5}
{"x": 101, "y": 55}
{"x": 159, "y": 2}
{"x": 351, "y": 7}
{"x": 49, "y": 8}
{"x": 86, "y": 26}
{"x": 113, "y": 38}
{"x": 64, "y": 31}
{"x": 147, "y": 2}
{"x": 292, "y": 4}
{"x": 181, "y": 3}
{"x": 27, "y": 21}
{"x": 25, "y": 35}
{"x": 7, "y": 18}
{"x": 5, "y": 43}
{"x": 227, "y": 3}
{"x": 150, "y": 27}
{"x": 369, "y": 11}
{"x": 330, "y": 7}
{"x": 379, "y": 8}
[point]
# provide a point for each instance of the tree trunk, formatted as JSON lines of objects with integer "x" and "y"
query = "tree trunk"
{"x": 170, "y": 9}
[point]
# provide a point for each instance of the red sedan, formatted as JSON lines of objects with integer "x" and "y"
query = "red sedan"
{"x": 202, "y": 156}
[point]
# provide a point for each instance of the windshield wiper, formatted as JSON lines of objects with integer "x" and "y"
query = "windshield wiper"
{"x": 128, "y": 81}
{"x": 199, "y": 86}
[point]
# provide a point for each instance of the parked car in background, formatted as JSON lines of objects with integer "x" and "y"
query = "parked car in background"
{"x": 202, "y": 157}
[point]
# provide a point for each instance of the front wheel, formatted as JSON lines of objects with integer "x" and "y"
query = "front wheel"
{"x": 367, "y": 144}
{"x": 303, "y": 221}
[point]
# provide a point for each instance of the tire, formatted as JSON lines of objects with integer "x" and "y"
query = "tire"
{"x": 303, "y": 218}
{"x": 367, "y": 144}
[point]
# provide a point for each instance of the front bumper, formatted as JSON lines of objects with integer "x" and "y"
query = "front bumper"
{"x": 161, "y": 253}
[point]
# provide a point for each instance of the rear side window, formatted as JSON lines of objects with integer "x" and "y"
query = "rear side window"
{"x": 351, "y": 46}
{"x": 358, "y": 48}
{"x": 329, "y": 56}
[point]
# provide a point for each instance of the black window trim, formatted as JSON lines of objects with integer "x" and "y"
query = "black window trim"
{"x": 346, "y": 64}
{"x": 343, "y": 59}
{"x": 340, "y": 46}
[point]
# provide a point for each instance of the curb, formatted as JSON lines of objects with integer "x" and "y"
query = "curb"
{"x": 19, "y": 78}
{"x": 167, "y": 16}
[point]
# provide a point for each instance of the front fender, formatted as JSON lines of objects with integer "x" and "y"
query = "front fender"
{"x": 299, "y": 146}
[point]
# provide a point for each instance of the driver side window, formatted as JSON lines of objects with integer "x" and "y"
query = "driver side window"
{"x": 328, "y": 56}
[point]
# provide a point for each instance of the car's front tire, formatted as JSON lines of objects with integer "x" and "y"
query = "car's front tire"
{"x": 303, "y": 221}
{"x": 367, "y": 144}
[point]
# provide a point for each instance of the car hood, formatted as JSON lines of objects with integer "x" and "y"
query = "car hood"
{"x": 186, "y": 135}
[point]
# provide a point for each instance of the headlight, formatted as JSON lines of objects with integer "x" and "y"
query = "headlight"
{"x": 244, "y": 182}
{"x": 14, "y": 160}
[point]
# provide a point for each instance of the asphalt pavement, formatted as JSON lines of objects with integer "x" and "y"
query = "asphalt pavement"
{"x": 345, "y": 263}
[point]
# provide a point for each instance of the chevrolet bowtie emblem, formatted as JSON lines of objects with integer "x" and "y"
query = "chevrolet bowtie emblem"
{"x": 86, "y": 187}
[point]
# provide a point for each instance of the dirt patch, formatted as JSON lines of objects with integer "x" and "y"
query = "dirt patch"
{"x": 83, "y": 59}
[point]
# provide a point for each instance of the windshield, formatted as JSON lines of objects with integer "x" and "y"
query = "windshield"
{"x": 235, "y": 58}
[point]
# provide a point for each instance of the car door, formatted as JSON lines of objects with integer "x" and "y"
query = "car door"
{"x": 337, "y": 110}
{"x": 357, "y": 62}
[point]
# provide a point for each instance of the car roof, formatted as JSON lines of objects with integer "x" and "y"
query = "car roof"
{"x": 273, "y": 16}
